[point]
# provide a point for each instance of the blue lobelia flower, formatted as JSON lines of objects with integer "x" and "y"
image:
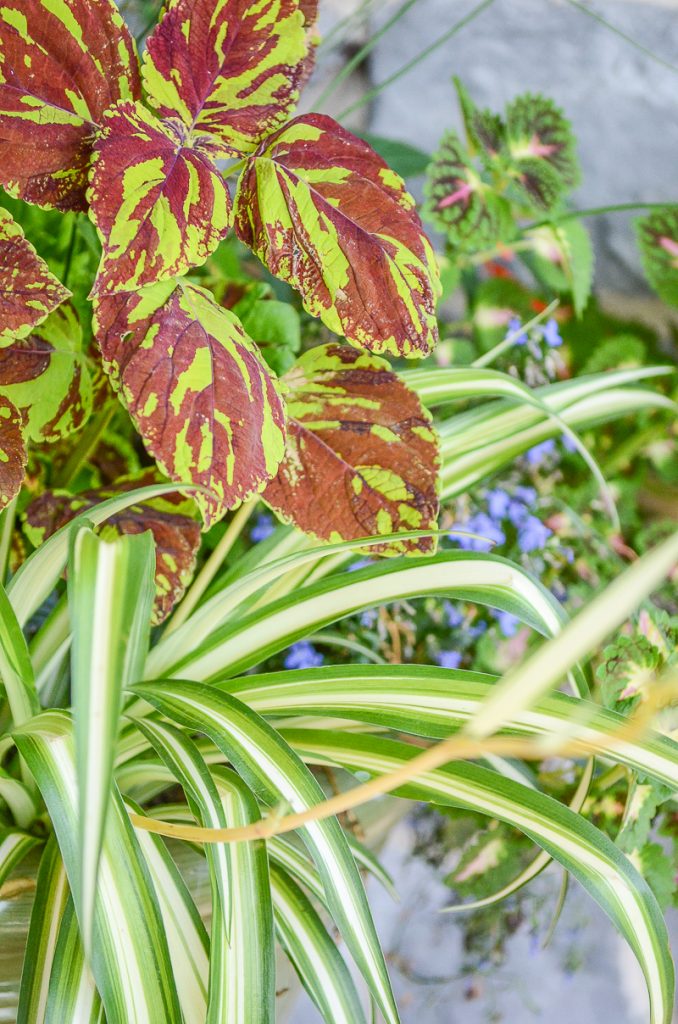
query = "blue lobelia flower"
{"x": 550, "y": 334}
{"x": 490, "y": 533}
{"x": 498, "y": 502}
{"x": 360, "y": 564}
{"x": 535, "y": 456}
{"x": 303, "y": 655}
{"x": 263, "y": 528}
{"x": 533, "y": 534}
{"x": 514, "y": 325}
{"x": 508, "y": 624}
{"x": 452, "y": 614}
{"x": 449, "y": 659}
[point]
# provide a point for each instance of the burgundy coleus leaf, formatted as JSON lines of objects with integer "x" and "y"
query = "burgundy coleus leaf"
{"x": 229, "y": 69}
{"x": 170, "y": 519}
{"x": 197, "y": 388}
{"x": 62, "y": 64}
{"x": 13, "y": 454}
{"x": 47, "y": 377}
{"x": 28, "y": 289}
{"x": 362, "y": 456}
{"x": 157, "y": 199}
{"x": 326, "y": 214}
{"x": 658, "y": 240}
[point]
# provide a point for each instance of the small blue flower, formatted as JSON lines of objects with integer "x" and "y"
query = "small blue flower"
{"x": 497, "y": 503}
{"x": 475, "y": 631}
{"x": 568, "y": 443}
{"x": 533, "y": 534}
{"x": 368, "y": 618}
{"x": 263, "y": 528}
{"x": 452, "y": 614}
{"x": 489, "y": 533}
{"x": 360, "y": 564}
{"x": 550, "y": 334}
{"x": 535, "y": 456}
{"x": 303, "y": 655}
{"x": 517, "y": 512}
{"x": 508, "y": 624}
{"x": 449, "y": 659}
{"x": 514, "y": 325}
{"x": 527, "y": 495}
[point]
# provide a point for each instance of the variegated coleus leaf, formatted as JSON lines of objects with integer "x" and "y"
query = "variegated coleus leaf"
{"x": 28, "y": 289}
{"x": 171, "y": 520}
{"x": 485, "y": 130}
{"x": 13, "y": 454}
{"x": 658, "y": 241}
{"x": 229, "y": 69}
{"x": 542, "y": 149}
{"x": 459, "y": 202}
{"x": 157, "y": 199}
{"x": 62, "y": 64}
{"x": 326, "y": 214}
{"x": 197, "y": 388}
{"x": 46, "y": 378}
{"x": 362, "y": 456}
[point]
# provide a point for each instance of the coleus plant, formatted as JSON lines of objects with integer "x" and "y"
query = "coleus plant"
{"x": 339, "y": 446}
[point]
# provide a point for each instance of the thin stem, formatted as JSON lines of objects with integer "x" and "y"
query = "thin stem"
{"x": 7, "y": 520}
{"x": 501, "y": 249}
{"x": 618, "y": 32}
{"x": 342, "y": 25}
{"x": 422, "y": 55}
{"x": 89, "y": 439}
{"x": 360, "y": 56}
{"x": 595, "y": 211}
{"x": 511, "y": 339}
{"x": 212, "y": 565}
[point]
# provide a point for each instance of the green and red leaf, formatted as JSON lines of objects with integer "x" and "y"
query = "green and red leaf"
{"x": 325, "y": 213}
{"x": 459, "y": 202}
{"x": 13, "y": 454}
{"x": 362, "y": 456}
{"x": 46, "y": 377}
{"x": 62, "y": 64}
{"x": 197, "y": 388}
{"x": 542, "y": 149}
{"x": 158, "y": 201}
{"x": 29, "y": 292}
{"x": 171, "y": 520}
{"x": 485, "y": 130}
{"x": 229, "y": 69}
{"x": 658, "y": 241}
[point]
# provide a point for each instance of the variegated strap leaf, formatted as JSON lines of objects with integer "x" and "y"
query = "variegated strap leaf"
{"x": 230, "y": 69}
{"x": 13, "y": 454}
{"x": 45, "y": 376}
{"x": 199, "y": 392}
{"x": 459, "y": 202}
{"x": 542, "y": 149}
{"x": 658, "y": 240}
{"x": 28, "y": 289}
{"x": 157, "y": 199}
{"x": 362, "y": 456}
{"x": 171, "y": 520}
{"x": 325, "y": 213}
{"x": 62, "y": 64}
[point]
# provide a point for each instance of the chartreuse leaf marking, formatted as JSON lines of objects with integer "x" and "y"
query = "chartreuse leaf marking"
{"x": 130, "y": 961}
{"x": 362, "y": 455}
{"x": 110, "y": 592}
{"x": 62, "y": 64}
{"x": 459, "y": 202}
{"x": 197, "y": 389}
{"x": 542, "y": 149}
{"x": 29, "y": 292}
{"x": 229, "y": 69}
{"x": 276, "y": 774}
{"x": 158, "y": 201}
{"x": 13, "y": 454}
{"x": 46, "y": 377}
{"x": 319, "y": 964}
{"x": 325, "y": 213}
{"x": 590, "y": 856}
{"x": 171, "y": 520}
{"x": 658, "y": 241}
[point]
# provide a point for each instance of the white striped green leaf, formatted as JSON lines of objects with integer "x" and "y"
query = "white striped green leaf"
{"x": 16, "y": 669}
{"x": 582, "y": 849}
{"x": 433, "y": 702}
{"x": 277, "y": 775}
{"x": 130, "y": 958}
{"x": 14, "y": 846}
{"x": 72, "y": 995}
{"x": 110, "y": 597}
{"x": 316, "y": 959}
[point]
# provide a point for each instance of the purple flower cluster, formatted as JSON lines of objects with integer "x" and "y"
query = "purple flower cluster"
{"x": 303, "y": 655}
{"x": 504, "y": 508}
{"x": 549, "y": 332}
{"x": 263, "y": 528}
